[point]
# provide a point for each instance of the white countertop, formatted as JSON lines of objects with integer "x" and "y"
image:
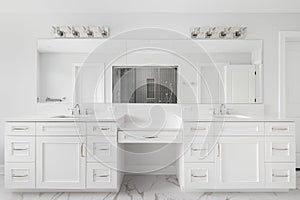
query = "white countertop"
{"x": 255, "y": 119}
{"x": 40, "y": 118}
{"x": 139, "y": 125}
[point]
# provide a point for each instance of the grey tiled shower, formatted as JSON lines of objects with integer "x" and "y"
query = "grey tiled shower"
{"x": 145, "y": 84}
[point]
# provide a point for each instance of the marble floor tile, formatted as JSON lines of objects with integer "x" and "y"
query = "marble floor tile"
{"x": 152, "y": 188}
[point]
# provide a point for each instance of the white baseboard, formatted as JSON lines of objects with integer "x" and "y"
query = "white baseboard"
{"x": 1, "y": 169}
{"x": 148, "y": 170}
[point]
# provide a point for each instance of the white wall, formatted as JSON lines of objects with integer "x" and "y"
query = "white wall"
{"x": 18, "y": 35}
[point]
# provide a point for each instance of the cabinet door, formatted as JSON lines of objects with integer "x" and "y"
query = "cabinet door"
{"x": 240, "y": 162}
{"x": 187, "y": 82}
{"x": 60, "y": 162}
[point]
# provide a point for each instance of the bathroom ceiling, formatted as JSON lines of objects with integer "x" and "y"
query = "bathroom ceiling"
{"x": 153, "y": 6}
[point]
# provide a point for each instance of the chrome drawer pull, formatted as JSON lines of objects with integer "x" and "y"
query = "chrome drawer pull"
{"x": 279, "y": 129}
{"x": 20, "y": 149}
{"x": 198, "y": 149}
{"x": 20, "y": 128}
{"x": 150, "y": 137}
{"x": 81, "y": 150}
{"x": 198, "y": 129}
{"x": 219, "y": 150}
{"x": 102, "y": 149}
{"x": 280, "y": 149}
{"x": 280, "y": 176}
{"x": 101, "y": 176}
{"x": 20, "y": 176}
{"x": 100, "y": 129}
{"x": 199, "y": 176}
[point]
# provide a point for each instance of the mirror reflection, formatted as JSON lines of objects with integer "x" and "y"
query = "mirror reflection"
{"x": 150, "y": 71}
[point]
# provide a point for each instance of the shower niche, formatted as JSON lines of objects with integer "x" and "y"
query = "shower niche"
{"x": 144, "y": 84}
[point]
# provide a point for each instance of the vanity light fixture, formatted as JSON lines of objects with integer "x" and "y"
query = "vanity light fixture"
{"x": 80, "y": 31}
{"x": 219, "y": 32}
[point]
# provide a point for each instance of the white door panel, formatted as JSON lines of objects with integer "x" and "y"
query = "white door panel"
{"x": 60, "y": 162}
{"x": 240, "y": 162}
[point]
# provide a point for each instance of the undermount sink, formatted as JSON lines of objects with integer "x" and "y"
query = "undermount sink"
{"x": 232, "y": 116}
{"x": 64, "y": 116}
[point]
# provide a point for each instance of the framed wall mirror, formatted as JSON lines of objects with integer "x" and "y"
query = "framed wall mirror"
{"x": 150, "y": 71}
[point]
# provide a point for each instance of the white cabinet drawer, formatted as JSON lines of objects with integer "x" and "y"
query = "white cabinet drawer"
{"x": 101, "y": 149}
{"x": 101, "y": 176}
{"x": 149, "y": 136}
{"x": 280, "y": 175}
{"x": 20, "y": 175}
{"x": 239, "y": 128}
{"x": 280, "y": 128}
{"x": 280, "y": 149}
{"x": 19, "y": 149}
{"x": 60, "y": 128}
{"x": 102, "y": 128}
{"x": 198, "y": 129}
{"x": 199, "y": 175}
{"x": 199, "y": 149}
{"x": 20, "y": 128}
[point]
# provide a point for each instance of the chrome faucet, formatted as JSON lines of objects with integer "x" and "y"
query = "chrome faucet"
{"x": 76, "y": 107}
{"x": 223, "y": 109}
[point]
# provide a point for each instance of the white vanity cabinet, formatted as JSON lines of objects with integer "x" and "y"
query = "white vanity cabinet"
{"x": 238, "y": 156}
{"x": 62, "y": 155}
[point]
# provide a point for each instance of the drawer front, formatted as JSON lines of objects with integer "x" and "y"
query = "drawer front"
{"x": 61, "y": 128}
{"x": 149, "y": 137}
{"x": 280, "y": 128}
{"x": 239, "y": 128}
{"x": 199, "y": 175}
{"x": 19, "y": 149}
{"x": 280, "y": 149}
{"x": 101, "y": 176}
{"x": 101, "y": 128}
{"x": 101, "y": 149}
{"x": 198, "y": 129}
{"x": 20, "y": 128}
{"x": 280, "y": 175}
{"x": 20, "y": 175}
{"x": 199, "y": 149}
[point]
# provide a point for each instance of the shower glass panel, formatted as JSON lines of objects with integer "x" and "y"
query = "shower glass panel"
{"x": 144, "y": 84}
